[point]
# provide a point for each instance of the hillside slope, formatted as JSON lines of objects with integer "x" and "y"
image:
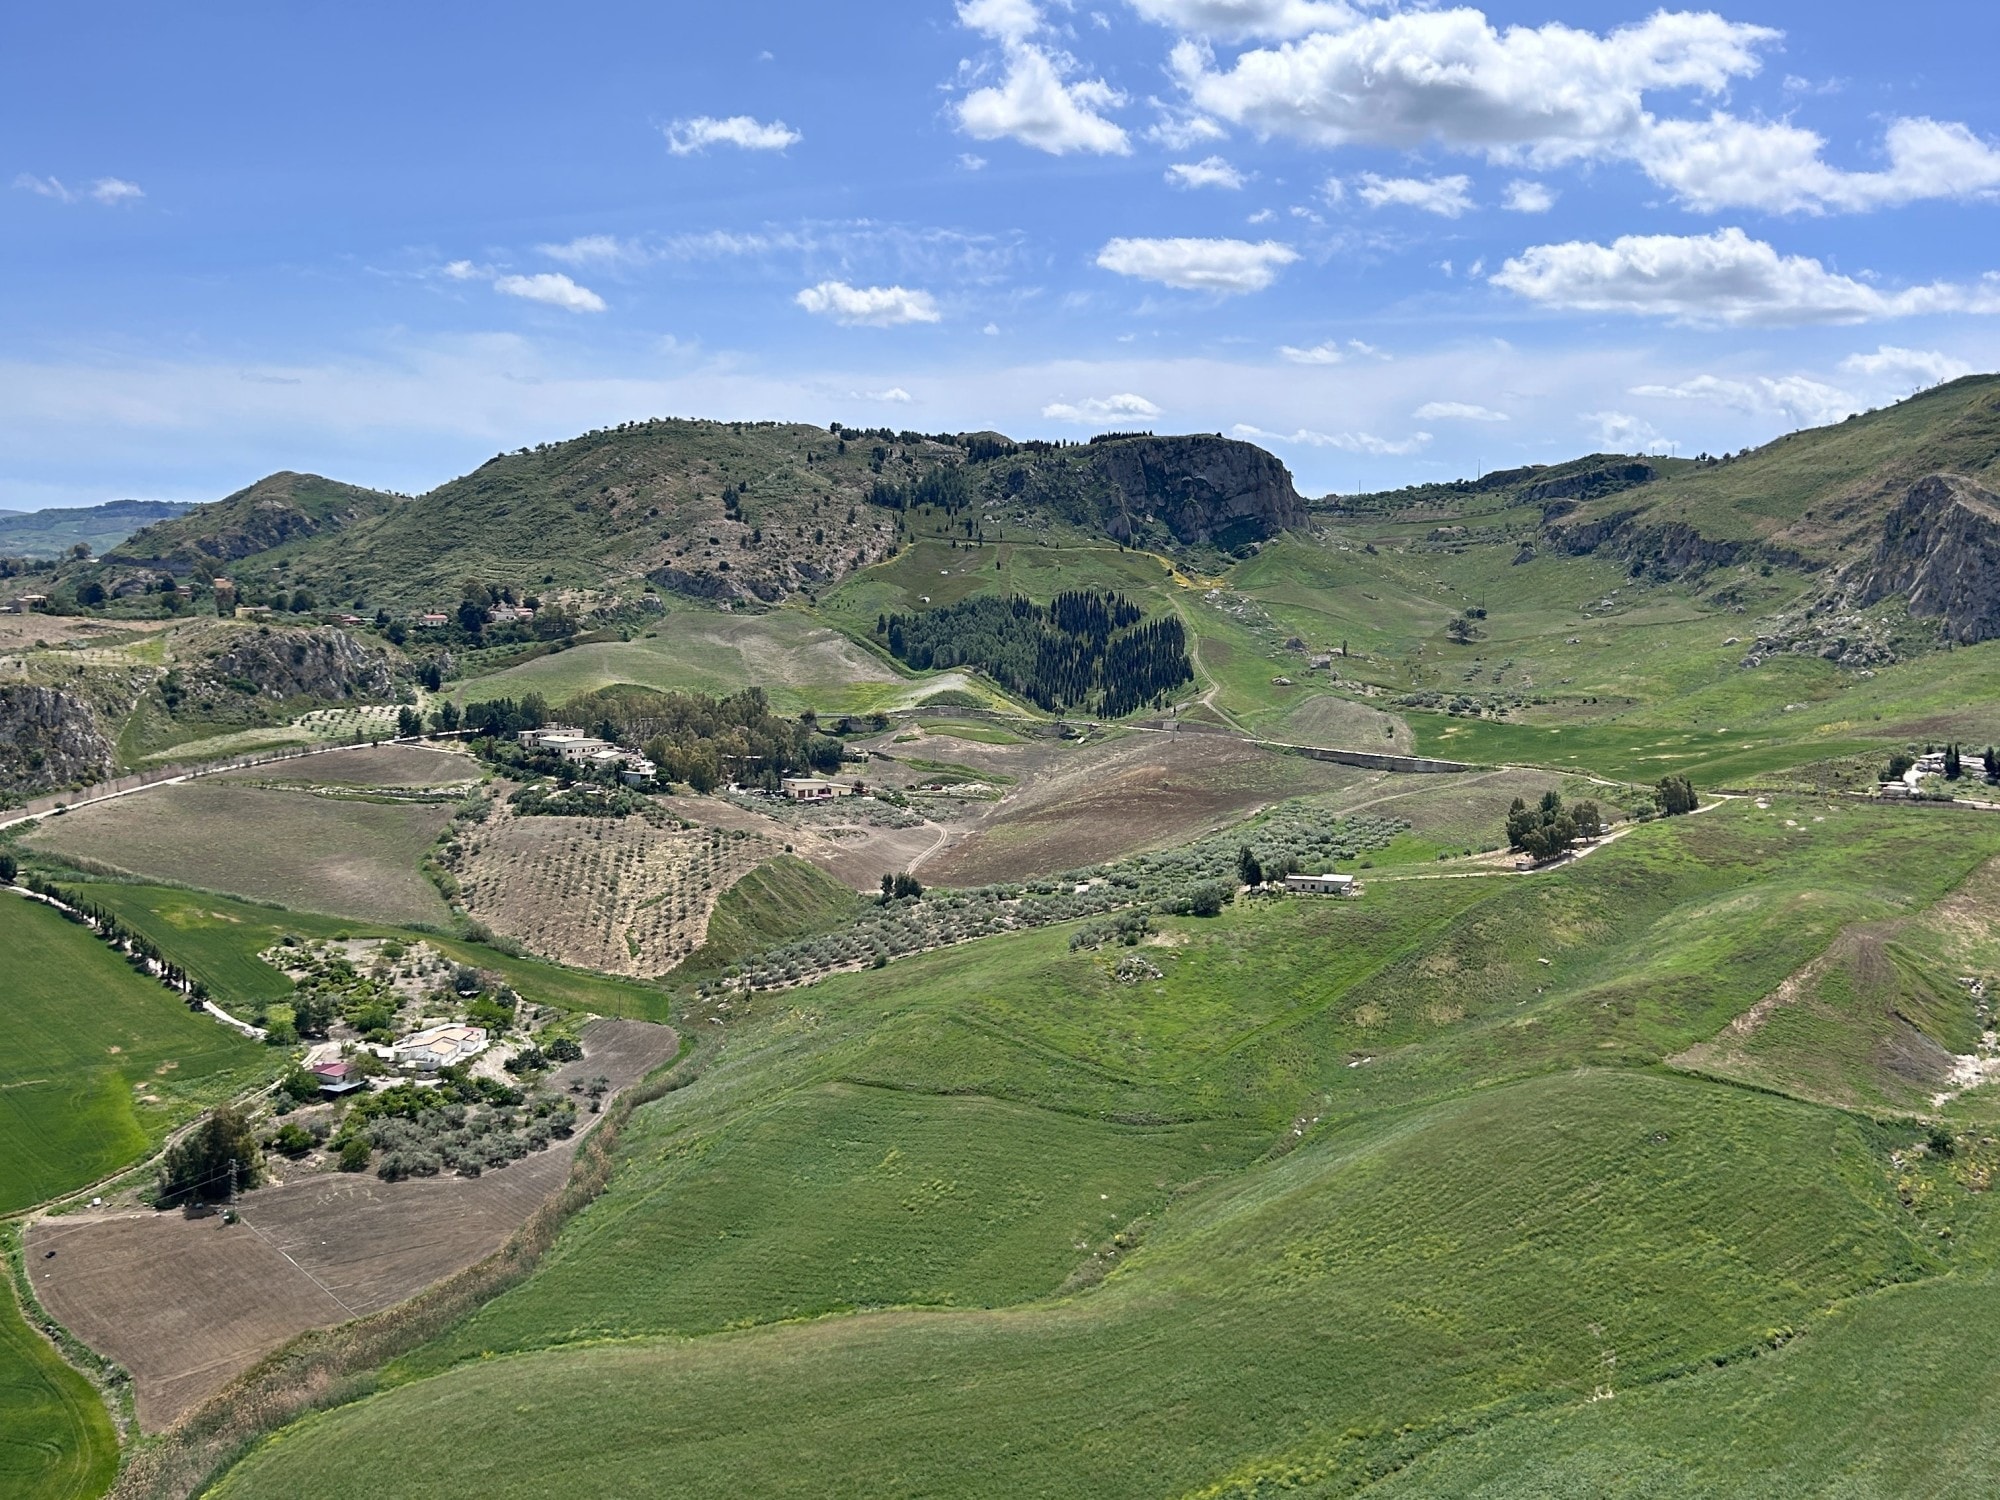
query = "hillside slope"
{"x": 50, "y": 533}
{"x": 282, "y": 508}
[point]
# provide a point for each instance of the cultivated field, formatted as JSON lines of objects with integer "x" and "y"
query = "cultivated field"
{"x": 1074, "y": 807}
{"x": 618, "y": 895}
{"x": 186, "y": 1303}
{"x": 97, "y": 1063}
{"x": 388, "y": 766}
{"x": 56, "y": 1438}
{"x": 342, "y": 856}
{"x": 1248, "y": 1126}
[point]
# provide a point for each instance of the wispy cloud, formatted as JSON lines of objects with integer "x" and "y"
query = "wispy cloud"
{"x": 1457, "y": 411}
{"x": 108, "y": 191}
{"x": 1124, "y": 407}
{"x": 1348, "y": 442}
{"x": 690, "y": 137}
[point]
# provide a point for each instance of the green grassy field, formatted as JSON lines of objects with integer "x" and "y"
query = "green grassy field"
{"x": 217, "y": 940}
{"x": 1321, "y": 1190}
{"x": 96, "y": 1062}
{"x": 782, "y": 899}
{"x": 56, "y": 1438}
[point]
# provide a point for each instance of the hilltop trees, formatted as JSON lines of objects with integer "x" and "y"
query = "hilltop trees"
{"x": 1083, "y": 647}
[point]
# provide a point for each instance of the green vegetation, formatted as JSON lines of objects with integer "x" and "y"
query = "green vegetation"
{"x": 97, "y": 1062}
{"x": 781, "y": 901}
{"x": 213, "y": 1162}
{"x": 1083, "y": 648}
{"x": 58, "y": 1441}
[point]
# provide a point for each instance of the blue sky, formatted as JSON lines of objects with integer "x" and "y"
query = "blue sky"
{"x": 1392, "y": 242}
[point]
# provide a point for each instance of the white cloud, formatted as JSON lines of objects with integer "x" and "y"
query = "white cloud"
{"x": 463, "y": 270}
{"x": 1725, "y": 162}
{"x": 1237, "y": 20}
{"x": 1620, "y": 432}
{"x": 687, "y": 137}
{"x": 1125, "y": 407}
{"x": 1327, "y": 353}
{"x": 1213, "y": 172}
{"x": 1458, "y": 411}
{"x": 971, "y": 161}
{"x": 875, "y": 306}
{"x": 1528, "y": 197}
{"x": 109, "y": 191}
{"x": 1799, "y": 399}
{"x": 1724, "y": 277}
{"x": 1447, "y": 197}
{"x": 1003, "y": 20}
{"x": 595, "y": 250}
{"x": 1347, "y": 442}
{"x": 1226, "y": 267}
{"x": 1550, "y": 93}
{"x": 1180, "y": 132}
{"x": 552, "y": 287}
{"x": 895, "y": 395}
{"x": 1033, "y": 104}
{"x": 1907, "y": 367}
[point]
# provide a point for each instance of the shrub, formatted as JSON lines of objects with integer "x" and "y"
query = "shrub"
{"x": 218, "y": 1155}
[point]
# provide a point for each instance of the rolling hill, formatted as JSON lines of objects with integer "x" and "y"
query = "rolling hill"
{"x": 51, "y": 533}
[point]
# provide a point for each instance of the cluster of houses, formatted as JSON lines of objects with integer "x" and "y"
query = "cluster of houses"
{"x": 425, "y": 1052}
{"x": 1930, "y": 763}
{"x": 587, "y": 750}
{"x": 499, "y": 614}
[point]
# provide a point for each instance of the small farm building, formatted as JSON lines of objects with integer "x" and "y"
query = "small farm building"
{"x": 1320, "y": 885}
{"x": 440, "y": 1046}
{"x": 337, "y": 1077}
{"x": 812, "y": 789}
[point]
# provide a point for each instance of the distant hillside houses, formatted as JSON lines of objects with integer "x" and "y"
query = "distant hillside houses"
{"x": 587, "y": 750}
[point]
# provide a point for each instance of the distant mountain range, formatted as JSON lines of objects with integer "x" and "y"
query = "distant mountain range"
{"x": 51, "y": 533}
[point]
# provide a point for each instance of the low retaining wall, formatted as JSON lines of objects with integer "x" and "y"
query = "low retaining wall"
{"x": 1418, "y": 764}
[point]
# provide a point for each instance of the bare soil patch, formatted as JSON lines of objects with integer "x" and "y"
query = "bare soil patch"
{"x": 27, "y": 632}
{"x": 1106, "y": 800}
{"x": 186, "y": 1304}
{"x": 1342, "y": 724}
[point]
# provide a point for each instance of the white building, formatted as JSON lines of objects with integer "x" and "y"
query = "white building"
{"x": 440, "y": 1046}
{"x": 812, "y": 789}
{"x": 1321, "y": 885}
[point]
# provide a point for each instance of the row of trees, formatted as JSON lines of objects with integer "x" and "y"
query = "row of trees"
{"x": 1549, "y": 828}
{"x": 1085, "y": 647}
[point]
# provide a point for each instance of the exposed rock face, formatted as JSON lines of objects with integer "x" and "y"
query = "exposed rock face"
{"x": 325, "y": 664}
{"x": 1589, "y": 484}
{"x": 48, "y": 738}
{"x": 1667, "y": 549}
{"x": 1204, "y": 490}
{"x": 1940, "y": 550}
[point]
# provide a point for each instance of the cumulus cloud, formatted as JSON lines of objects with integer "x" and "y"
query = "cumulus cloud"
{"x": 1447, "y": 197}
{"x": 1525, "y": 196}
{"x": 1910, "y": 367}
{"x": 109, "y": 191}
{"x": 1724, "y": 277}
{"x": 1039, "y": 105}
{"x": 463, "y": 270}
{"x": 1797, "y": 398}
{"x": 1003, "y": 20}
{"x": 1212, "y": 172}
{"x": 1124, "y": 407}
{"x": 1239, "y": 20}
{"x": 1724, "y": 162}
{"x": 1181, "y": 132}
{"x": 1458, "y": 411}
{"x": 688, "y": 137}
{"x": 1621, "y": 432}
{"x": 1347, "y": 442}
{"x": 874, "y": 306}
{"x": 1550, "y": 93}
{"x": 552, "y": 287}
{"x": 1225, "y": 267}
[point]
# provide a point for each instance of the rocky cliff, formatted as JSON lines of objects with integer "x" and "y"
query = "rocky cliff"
{"x": 48, "y": 738}
{"x": 324, "y": 664}
{"x": 1940, "y": 551}
{"x": 1201, "y": 490}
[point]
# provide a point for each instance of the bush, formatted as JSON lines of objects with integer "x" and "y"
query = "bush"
{"x": 292, "y": 1141}
{"x": 218, "y": 1155}
{"x": 354, "y": 1154}
{"x": 299, "y": 1085}
{"x": 1208, "y": 897}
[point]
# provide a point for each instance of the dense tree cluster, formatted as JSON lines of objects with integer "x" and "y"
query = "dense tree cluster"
{"x": 705, "y": 741}
{"x": 945, "y": 488}
{"x": 1549, "y": 828}
{"x": 1674, "y": 796}
{"x": 1085, "y": 648}
{"x": 217, "y": 1158}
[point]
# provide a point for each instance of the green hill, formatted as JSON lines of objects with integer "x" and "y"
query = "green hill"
{"x": 51, "y": 533}
{"x": 272, "y": 515}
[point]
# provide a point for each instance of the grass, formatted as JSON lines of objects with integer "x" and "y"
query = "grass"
{"x": 781, "y": 900}
{"x": 56, "y": 1439}
{"x": 1312, "y": 1322}
{"x": 96, "y": 1062}
{"x": 344, "y": 857}
{"x": 217, "y": 939}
